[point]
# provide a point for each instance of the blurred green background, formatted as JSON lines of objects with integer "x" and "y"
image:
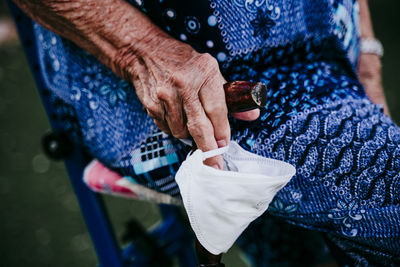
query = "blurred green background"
{"x": 40, "y": 221}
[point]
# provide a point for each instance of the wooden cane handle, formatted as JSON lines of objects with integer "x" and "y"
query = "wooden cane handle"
{"x": 243, "y": 95}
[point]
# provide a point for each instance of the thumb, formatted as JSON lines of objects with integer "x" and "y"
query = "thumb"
{"x": 250, "y": 115}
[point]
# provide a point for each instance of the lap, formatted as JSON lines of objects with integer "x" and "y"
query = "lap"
{"x": 347, "y": 185}
{"x": 347, "y": 182}
{"x": 345, "y": 150}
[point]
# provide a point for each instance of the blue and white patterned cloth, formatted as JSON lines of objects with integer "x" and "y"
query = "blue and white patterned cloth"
{"x": 318, "y": 118}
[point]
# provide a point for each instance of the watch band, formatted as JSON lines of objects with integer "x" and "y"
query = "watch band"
{"x": 371, "y": 46}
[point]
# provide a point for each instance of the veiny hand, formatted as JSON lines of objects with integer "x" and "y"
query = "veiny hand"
{"x": 182, "y": 90}
{"x": 369, "y": 72}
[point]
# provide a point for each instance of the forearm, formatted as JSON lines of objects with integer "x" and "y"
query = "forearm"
{"x": 181, "y": 89}
{"x": 365, "y": 20}
{"x": 372, "y": 69}
{"x": 112, "y": 30}
{"x": 369, "y": 65}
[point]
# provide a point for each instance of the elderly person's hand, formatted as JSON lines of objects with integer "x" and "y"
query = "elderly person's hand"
{"x": 181, "y": 89}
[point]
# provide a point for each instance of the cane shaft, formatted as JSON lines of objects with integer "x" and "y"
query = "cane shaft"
{"x": 240, "y": 96}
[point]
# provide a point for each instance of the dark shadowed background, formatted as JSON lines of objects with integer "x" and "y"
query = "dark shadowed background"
{"x": 40, "y": 220}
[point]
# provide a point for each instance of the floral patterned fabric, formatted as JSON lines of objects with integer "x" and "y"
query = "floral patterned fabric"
{"x": 103, "y": 180}
{"x": 318, "y": 118}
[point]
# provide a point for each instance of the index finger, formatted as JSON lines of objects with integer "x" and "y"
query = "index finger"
{"x": 212, "y": 97}
{"x": 201, "y": 129}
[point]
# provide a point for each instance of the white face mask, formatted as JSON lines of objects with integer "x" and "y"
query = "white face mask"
{"x": 222, "y": 203}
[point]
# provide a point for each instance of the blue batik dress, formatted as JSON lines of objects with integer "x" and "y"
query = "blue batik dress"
{"x": 346, "y": 193}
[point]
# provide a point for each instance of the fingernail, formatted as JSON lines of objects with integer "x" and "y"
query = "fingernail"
{"x": 216, "y": 166}
{"x": 221, "y": 143}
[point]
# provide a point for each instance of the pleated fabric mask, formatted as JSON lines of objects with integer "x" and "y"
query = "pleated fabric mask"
{"x": 221, "y": 203}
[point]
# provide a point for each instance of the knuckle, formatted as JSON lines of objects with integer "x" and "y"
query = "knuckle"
{"x": 182, "y": 83}
{"x": 179, "y": 133}
{"x": 178, "y": 79}
{"x": 224, "y": 136}
{"x": 147, "y": 101}
{"x": 196, "y": 127}
{"x": 152, "y": 108}
{"x": 223, "y": 132}
{"x": 154, "y": 111}
{"x": 191, "y": 105}
{"x": 178, "y": 128}
{"x": 146, "y": 104}
{"x": 162, "y": 93}
{"x": 162, "y": 126}
{"x": 206, "y": 65}
{"x": 191, "y": 125}
{"x": 216, "y": 108}
{"x": 207, "y": 59}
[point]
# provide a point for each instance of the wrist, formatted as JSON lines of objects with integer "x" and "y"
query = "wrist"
{"x": 123, "y": 36}
{"x": 129, "y": 59}
{"x": 369, "y": 67}
{"x": 160, "y": 53}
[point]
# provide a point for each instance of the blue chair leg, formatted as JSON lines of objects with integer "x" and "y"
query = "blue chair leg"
{"x": 94, "y": 213}
{"x": 91, "y": 205}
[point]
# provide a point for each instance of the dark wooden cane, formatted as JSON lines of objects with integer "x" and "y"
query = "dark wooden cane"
{"x": 240, "y": 96}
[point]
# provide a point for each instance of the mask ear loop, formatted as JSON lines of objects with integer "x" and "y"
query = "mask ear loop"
{"x": 186, "y": 141}
{"x": 214, "y": 152}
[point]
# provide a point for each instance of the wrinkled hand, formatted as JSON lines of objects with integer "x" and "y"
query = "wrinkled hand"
{"x": 180, "y": 88}
{"x": 369, "y": 73}
{"x": 182, "y": 91}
